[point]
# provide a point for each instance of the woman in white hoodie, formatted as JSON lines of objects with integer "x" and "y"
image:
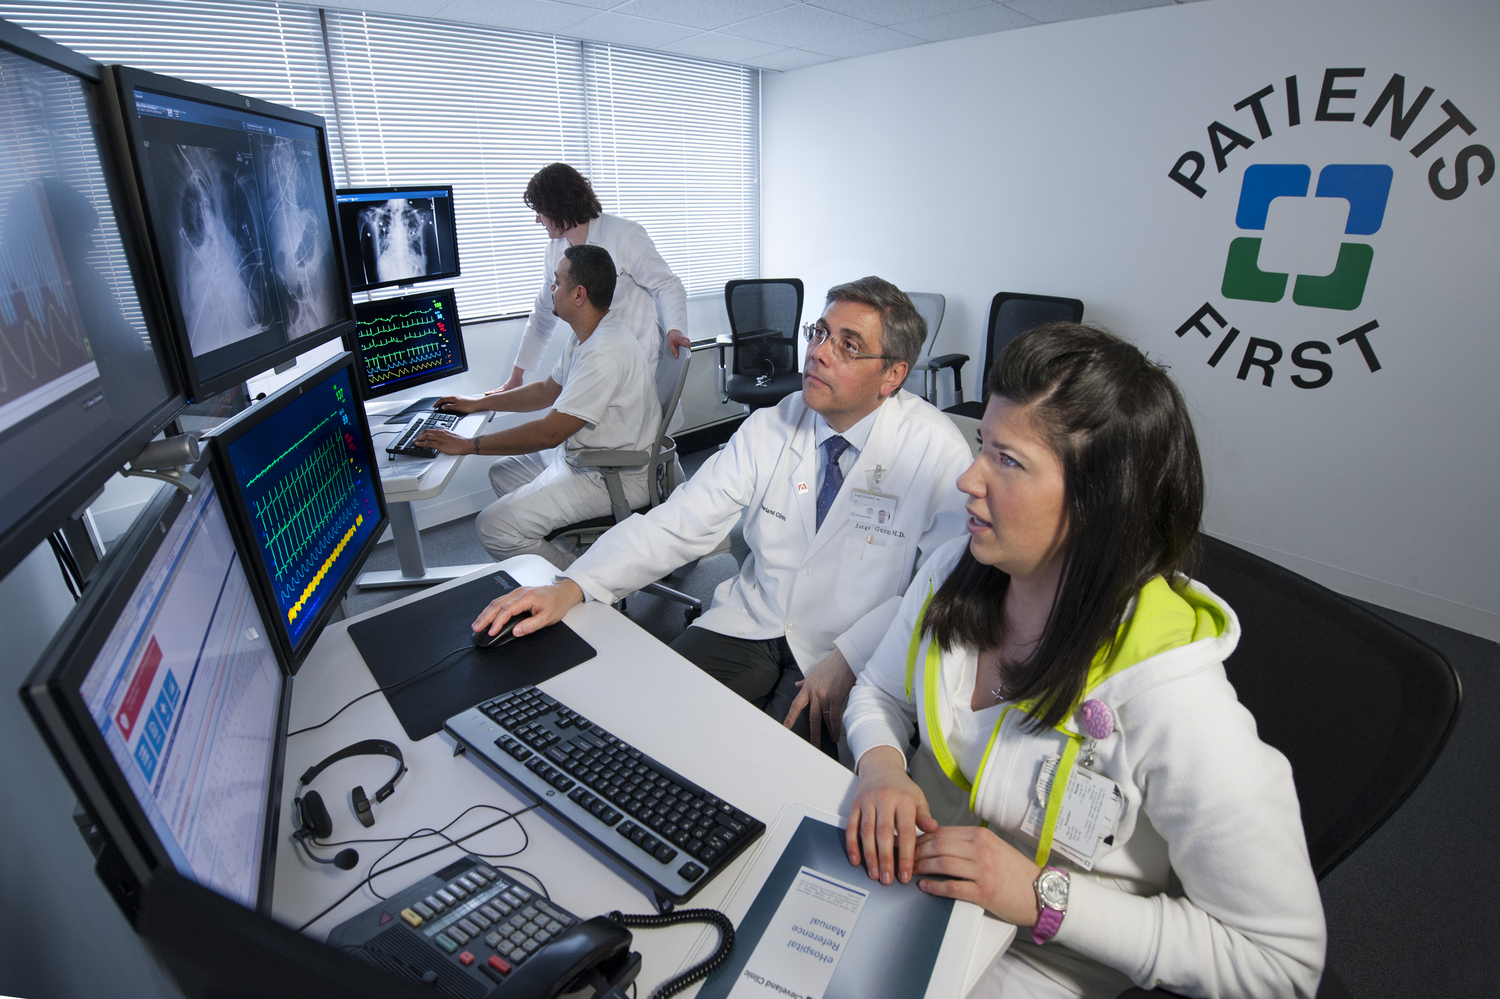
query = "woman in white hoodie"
{"x": 1063, "y": 636}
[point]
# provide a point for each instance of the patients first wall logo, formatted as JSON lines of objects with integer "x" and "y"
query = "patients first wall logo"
{"x": 1441, "y": 160}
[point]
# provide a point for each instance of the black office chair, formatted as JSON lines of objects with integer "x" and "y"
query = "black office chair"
{"x": 764, "y": 316}
{"x": 671, "y": 375}
{"x": 1359, "y": 707}
{"x": 1011, "y": 314}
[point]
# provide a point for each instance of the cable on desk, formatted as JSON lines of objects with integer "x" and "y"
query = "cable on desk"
{"x": 438, "y": 849}
{"x": 703, "y": 968}
{"x": 377, "y": 690}
{"x": 521, "y": 870}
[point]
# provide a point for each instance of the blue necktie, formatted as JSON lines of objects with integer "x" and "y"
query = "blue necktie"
{"x": 833, "y": 476}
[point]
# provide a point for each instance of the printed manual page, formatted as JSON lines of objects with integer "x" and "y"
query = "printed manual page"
{"x": 801, "y": 947}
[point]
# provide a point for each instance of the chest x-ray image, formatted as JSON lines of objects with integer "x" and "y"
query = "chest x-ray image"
{"x": 398, "y": 240}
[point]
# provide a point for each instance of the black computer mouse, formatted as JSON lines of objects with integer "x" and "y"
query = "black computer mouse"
{"x": 484, "y": 640}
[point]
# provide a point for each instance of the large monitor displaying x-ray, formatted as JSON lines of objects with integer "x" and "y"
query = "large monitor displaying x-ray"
{"x": 237, "y": 195}
{"x": 83, "y": 382}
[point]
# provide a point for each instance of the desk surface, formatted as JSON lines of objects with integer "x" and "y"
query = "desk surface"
{"x": 636, "y": 687}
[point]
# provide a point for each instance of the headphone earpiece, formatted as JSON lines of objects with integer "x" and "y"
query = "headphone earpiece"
{"x": 315, "y": 820}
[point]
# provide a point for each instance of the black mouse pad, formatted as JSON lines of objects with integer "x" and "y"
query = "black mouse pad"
{"x": 401, "y": 643}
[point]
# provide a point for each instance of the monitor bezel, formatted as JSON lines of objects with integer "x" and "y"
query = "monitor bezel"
{"x": 243, "y": 528}
{"x": 51, "y": 695}
{"x": 396, "y": 191}
{"x": 78, "y": 488}
{"x": 373, "y": 392}
{"x": 122, "y": 103}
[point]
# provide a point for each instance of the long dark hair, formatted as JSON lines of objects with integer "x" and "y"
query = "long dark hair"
{"x": 563, "y": 195}
{"x": 1134, "y": 493}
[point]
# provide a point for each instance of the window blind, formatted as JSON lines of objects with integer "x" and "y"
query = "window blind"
{"x": 669, "y": 142}
{"x": 674, "y": 146}
{"x": 273, "y": 51}
{"x": 425, "y": 102}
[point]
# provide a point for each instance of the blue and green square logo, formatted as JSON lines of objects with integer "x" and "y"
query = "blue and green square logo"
{"x": 1367, "y": 188}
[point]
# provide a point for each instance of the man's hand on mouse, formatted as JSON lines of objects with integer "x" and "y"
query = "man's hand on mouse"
{"x": 547, "y": 605}
{"x": 458, "y": 404}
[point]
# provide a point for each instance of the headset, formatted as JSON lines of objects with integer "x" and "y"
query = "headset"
{"x": 313, "y": 820}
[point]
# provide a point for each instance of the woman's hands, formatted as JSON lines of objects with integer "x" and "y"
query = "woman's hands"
{"x": 546, "y": 603}
{"x": 983, "y": 868}
{"x": 892, "y": 829}
{"x": 888, "y": 809}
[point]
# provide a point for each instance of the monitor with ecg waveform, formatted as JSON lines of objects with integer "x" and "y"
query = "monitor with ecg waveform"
{"x": 302, "y": 471}
{"x": 408, "y": 341}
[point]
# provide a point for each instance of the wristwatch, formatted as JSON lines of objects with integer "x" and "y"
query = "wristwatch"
{"x": 1052, "y": 898}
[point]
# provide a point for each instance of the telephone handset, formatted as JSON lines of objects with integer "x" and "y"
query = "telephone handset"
{"x": 595, "y": 953}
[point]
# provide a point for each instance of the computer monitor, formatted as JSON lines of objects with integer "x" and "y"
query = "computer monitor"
{"x": 398, "y": 235}
{"x": 83, "y": 383}
{"x": 237, "y": 197}
{"x": 164, "y": 702}
{"x": 300, "y": 476}
{"x": 408, "y": 341}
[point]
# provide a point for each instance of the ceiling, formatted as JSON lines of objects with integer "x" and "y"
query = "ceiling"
{"x": 777, "y": 35}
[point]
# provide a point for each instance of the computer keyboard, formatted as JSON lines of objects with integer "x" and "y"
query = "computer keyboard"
{"x": 663, "y": 828}
{"x": 419, "y": 423}
{"x": 466, "y": 930}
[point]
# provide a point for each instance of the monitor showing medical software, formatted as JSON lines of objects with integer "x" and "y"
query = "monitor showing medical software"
{"x": 164, "y": 700}
{"x": 408, "y": 341}
{"x": 238, "y": 197}
{"x": 300, "y": 472}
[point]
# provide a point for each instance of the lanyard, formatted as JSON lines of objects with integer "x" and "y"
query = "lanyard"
{"x": 944, "y": 756}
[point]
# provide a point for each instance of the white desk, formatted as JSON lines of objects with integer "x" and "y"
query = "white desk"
{"x": 405, "y": 480}
{"x": 636, "y": 687}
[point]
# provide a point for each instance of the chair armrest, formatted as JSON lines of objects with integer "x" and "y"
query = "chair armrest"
{"x": 942, "y": 361}
{"x": 613, "y": 459}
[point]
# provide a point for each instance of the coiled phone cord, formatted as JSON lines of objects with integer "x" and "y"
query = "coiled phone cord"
{"x": 703, "y": 968}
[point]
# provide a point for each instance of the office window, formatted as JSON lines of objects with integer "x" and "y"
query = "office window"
{"x": 673, "y": 145}
{"x": 425, "y": 102}
{"x": 669, "y": 142}
{"x": 273, "y": 51}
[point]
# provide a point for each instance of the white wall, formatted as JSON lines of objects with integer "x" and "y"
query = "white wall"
{"x": 1037, "y": 160}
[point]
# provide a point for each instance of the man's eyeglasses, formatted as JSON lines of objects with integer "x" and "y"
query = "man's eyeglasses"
{"x": 845, "y": 348}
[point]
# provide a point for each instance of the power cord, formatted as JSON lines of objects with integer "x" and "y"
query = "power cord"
{"x": 377, "y": 690}
{"x": 369, "y": 878}
{"x": 703, "y": 968}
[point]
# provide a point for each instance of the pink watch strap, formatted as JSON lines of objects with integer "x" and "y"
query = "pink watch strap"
{"x": 1046, "y": 926}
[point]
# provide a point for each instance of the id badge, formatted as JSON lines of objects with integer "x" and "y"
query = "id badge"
{"x": 872, "y": 509}
{"x": 1091, "y": 808}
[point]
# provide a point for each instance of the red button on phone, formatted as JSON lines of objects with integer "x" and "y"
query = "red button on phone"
{"x": 500, "y": 964}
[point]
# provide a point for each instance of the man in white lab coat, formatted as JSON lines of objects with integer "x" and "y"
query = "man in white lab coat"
{"x": 811, "y": 478}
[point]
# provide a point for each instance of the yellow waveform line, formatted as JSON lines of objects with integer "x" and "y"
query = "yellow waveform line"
{"x": 291, "y": 615}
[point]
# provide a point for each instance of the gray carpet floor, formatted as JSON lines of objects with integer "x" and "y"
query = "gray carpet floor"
{"x": 1406, "y": 912}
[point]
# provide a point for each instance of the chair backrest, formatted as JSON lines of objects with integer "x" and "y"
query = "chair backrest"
{"x": 930, "y": 305}
{"x": 1013, "y": 313}
{"x": 764, "y": 313}
{"x": 1359, "y": 707}
{"x": 671, "y": 376}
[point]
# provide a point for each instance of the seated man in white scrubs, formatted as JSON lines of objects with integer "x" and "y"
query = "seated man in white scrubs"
{"x": 811, "y": 478}
{"x": 599, "y": 397}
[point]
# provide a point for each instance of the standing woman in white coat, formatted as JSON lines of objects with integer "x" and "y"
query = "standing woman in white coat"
{"x": 648, "y": 296}
{"x": 1059, "y": 661}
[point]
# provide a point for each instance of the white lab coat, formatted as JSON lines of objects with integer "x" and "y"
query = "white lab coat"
{"x": 648, "y": 297}
{"x": 838, "y": 585}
